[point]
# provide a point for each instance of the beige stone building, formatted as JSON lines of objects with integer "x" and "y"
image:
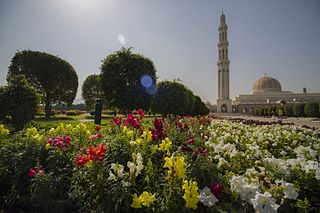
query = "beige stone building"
{"x": 266, "y": 91}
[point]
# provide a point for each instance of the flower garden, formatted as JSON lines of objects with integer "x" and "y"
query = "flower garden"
{"x": 184, "y": 164}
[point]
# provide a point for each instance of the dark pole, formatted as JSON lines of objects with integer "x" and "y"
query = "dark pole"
{"x": 98, "y": 111}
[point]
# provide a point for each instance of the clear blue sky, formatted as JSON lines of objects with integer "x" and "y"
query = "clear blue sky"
{"x": 280, "y": 38}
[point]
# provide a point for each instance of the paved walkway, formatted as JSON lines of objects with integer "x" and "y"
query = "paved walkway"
{"x": 312, "y": 122}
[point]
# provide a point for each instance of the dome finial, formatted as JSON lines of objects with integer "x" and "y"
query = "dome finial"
{"x": 265, "y": 74}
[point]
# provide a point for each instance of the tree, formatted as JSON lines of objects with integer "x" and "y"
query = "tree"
{"x": 128, "y": 80}
{"x": 91, "y": 90}
{"x": 54, "y": 78}
{"x": 171, "y": 98}
{"x": 312, "y": 109}
{"x": 18, "y": 102}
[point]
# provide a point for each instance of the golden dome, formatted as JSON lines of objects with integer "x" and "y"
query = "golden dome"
{"x": 266, "y": 84}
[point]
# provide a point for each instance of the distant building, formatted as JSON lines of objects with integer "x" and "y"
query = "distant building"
{"x": 266, "y": 91}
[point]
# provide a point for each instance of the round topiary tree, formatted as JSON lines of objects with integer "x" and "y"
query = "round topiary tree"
{"x": 18, "y": 102}
{"x": 54, "y": 78}
{"x": 171, "y": 98}
{"x": 92, "y": 90}
{"x": 312, "y": 109}
{"x": 128, "y": 80}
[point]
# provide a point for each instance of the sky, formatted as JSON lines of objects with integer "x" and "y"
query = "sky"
{"x": 279, "y": 38}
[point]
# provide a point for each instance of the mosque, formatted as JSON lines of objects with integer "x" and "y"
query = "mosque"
{"x": 266, "y": 91}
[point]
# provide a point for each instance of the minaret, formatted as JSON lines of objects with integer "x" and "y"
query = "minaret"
{"x": 223, "y": 102}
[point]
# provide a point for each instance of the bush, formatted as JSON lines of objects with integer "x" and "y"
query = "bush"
{"x": 92, "y": 112}
{"x": 312, "y": 109}
{"x": 298, "y": 109}
{"x": 280, "y": 110}
{"x": 18, "y": 101}
{"x": 73, "y": 112}
{"x": 288, "y": 110}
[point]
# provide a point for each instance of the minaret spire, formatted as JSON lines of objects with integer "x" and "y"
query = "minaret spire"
{"x": 223, "y": 102}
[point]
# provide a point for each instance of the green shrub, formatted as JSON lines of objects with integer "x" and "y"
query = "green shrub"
{"x": 18, "y": 101}
{"x": 288, "y": 110}
{"x": 280, "y": 110}
{"x": 312, "y": 109}
{"x": 73, "y": 112}
{"x": 298, "y": 109}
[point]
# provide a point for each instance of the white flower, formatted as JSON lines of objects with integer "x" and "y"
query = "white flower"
{"x": 111, "y": 176}
{"x": 264, "y": 203}
{"x": 136, "y": 167}
{"x": 125, "y": 183}
{"x": 132, "y": 167}
{"x": 288, "y": 189}
{"x": 221, "y": 161}
{"x": 207, "y": 198}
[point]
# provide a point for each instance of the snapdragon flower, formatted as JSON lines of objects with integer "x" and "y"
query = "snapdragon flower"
{"x": 191, "y": 194}
{"x": 207, "y": 197}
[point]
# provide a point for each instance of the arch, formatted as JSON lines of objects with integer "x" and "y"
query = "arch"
{"x": 244, "y": 110}
{"x": 224, "y": 108}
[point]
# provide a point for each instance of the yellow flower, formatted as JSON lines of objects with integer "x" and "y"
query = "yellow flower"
{"x": 177, "y": 165}
{"x": 48, "y": 146}
{"x": 52, "y": 131}
{"x": 165, "y": 145}
{"x": 147, "y": 198}
{"x": 168, "y": 162}
{"x": 89, "y": 164}
{"x": 33, "y": 134}
{"x": 3, "y": 130}
{"x": 147, "y": 136}
{"x": 129, "y": 133}
{"x": 136, "y": 142}
{"x": 136, "y": 202}
{"x": 190, "y": 194}
{"x": 180, "y": 169}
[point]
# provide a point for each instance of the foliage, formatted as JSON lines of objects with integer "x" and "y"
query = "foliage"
{"x": 186, "y": 164}
{"x": 121, "y": 74}
{"x": 55, "y": 79}
{"x": 174, "y": 98}
{"x": 312, "y": 109}
{"x": 298, "y": 109}
{"x": 18, "y": 101}
{"x": 91, "y": 90}
{"x": 72, "y": 112}
{"x": 288, "y": 110}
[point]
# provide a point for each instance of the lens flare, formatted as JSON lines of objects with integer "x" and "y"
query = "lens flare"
{"x": 146, "y": 81}
{"x": 122, "y": 39}
{"x": 151, "y": 90}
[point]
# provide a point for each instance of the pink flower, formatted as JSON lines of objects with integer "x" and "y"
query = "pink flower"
{"x": 117, "y": 121}
{"x": 97, "y": 128}
{"x": 140, "y": 112}
{"x": 216, "y": 189}
{"x": 32, "y": 172}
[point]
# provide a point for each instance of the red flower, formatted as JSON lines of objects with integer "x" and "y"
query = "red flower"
{"x": 32, "y": 172}
{"x": 60, "y": 141}
{"x": 82, "y": 160}
{"x": 97, "y": 128}
{"x": 216, "y": 189}
{"x": 140, "y": 112}
{"x": 117, "y": 121}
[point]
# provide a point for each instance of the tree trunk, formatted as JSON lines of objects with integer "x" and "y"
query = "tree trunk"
{"x": 47, "y": 108}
